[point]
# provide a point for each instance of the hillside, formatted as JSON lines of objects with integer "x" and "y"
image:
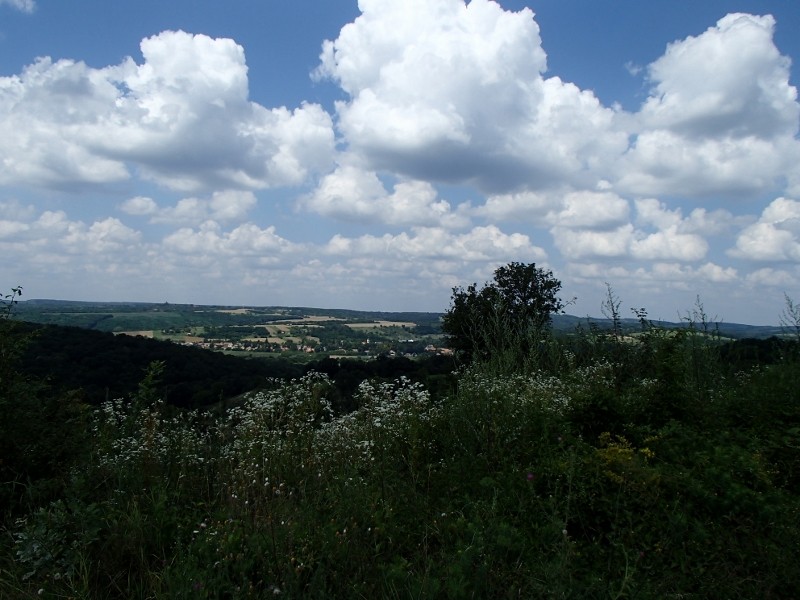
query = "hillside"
{"x": 104, "y": 366}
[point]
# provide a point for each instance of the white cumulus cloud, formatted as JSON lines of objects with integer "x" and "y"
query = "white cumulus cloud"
{"x": 182, "y": 118}
{"x": 139, "y": 205}
{"x": 245, "y": 240}
{"x": 448, "y": 91}
{"x": 577, "y": 244}
{"x": 591, "y": 210}
{"x": 52, "y": 246}
{"x": 352, "y": 194}
{"x": 224, "y": 206}
{"x": 773, "y": 278}
{"x": 595, "y": 231}
{"x": 729, "y": 81}
{"x": 480, "y": 244}
{"x": 721, "y": 117}
{"x": 774, "y": 237}
{"x": 669, "y": 244}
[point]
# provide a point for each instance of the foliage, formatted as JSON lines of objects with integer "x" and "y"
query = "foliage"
{"x": 509, "y": 315}
{"x": 40, "y": 429}
{"x": 7, "y": 301}
{"x": 11, "y": 342}
{"x": 642, "y": 466}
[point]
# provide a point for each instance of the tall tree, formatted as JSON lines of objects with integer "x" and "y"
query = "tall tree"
{"x": 508, "y": 313}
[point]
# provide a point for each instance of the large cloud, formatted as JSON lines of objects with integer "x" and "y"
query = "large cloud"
{"x": 600, "y": 210}
{"x": 729, "y": 81}
{"x": 448, "y": 91}
{"x": 774, "y": 278}
{"x": 182, "y": 118}
{"x": 666, "y": 274}
{"x": 592, "y": 210}
{"x": 424, "y": 264}
{"x": 721, "y": 118}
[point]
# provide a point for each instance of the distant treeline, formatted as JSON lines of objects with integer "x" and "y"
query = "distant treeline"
{"x": 118, "y": 317}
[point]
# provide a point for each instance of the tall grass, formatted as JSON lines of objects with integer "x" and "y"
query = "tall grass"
{"x": 600, "y": 466}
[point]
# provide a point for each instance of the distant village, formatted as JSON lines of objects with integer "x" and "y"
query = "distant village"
{"x": 369, "y": 348}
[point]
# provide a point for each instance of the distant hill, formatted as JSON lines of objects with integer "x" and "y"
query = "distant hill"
{"x": 133, "y": 316}
{"x": 125, "y": 316}
{"x": 568, "y": 323}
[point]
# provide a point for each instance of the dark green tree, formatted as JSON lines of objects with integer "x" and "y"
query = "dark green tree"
{"x": 510, "y": 314}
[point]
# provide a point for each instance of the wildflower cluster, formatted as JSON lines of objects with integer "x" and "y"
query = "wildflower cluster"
{"x": 131, "y": 438}
{"x": 389, "y": 416}
{"x": 270, "y": 439}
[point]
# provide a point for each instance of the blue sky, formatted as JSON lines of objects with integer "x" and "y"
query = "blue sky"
{"x": 374, "y": 154}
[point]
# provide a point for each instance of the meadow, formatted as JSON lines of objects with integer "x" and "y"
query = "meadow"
{"x": 594, "y": 465}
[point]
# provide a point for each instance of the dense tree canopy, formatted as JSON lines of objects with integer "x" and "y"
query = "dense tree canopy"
{"x": 515, "y": 308}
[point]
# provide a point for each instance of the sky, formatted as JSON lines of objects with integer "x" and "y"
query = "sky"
{"x": 372, "y": 155}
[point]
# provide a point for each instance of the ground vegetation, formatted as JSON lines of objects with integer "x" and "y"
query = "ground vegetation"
{"x": 614, "y": 465}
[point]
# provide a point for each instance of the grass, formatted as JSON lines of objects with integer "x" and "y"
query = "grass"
{"x": 595, "y": 469}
